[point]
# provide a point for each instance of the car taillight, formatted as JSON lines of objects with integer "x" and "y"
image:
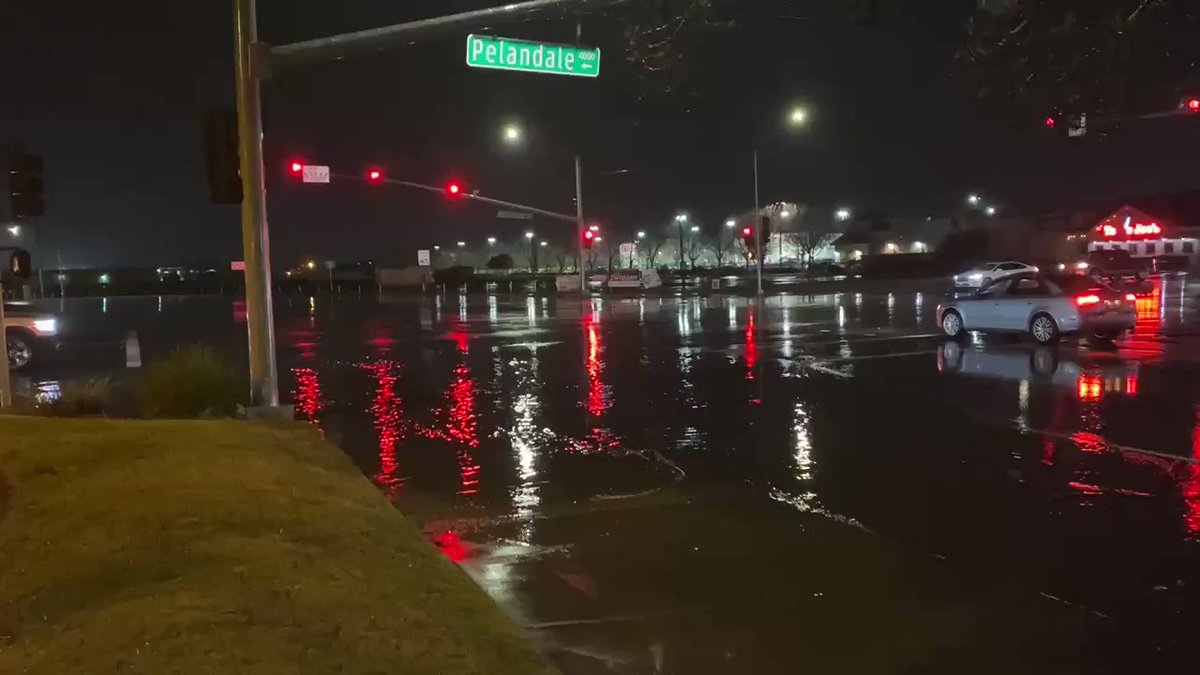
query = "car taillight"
{"x": 1130, "y": 297}
{"x": 1085, "y": 300}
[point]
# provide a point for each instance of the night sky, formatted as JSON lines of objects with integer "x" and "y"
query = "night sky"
{"x": 112, "y": 95}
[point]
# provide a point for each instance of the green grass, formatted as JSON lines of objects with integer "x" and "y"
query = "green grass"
{"x": 221, "y": 546}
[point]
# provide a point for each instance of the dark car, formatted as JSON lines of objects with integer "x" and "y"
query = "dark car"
{"x": 1114, "y": 264}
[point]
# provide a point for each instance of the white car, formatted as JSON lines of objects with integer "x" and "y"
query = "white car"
{"x": 1044, "y": 307}
{"x": 28, "y": 335}
{"x": 987, "y": 272}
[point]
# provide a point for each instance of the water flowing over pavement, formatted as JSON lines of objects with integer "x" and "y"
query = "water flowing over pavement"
{"x": 725, "y": 484}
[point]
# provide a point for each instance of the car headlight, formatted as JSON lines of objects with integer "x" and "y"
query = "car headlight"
{"x": 1062, "y": 266}
{"x": 45, "y": 326}
{"x": 1081, "y": 266}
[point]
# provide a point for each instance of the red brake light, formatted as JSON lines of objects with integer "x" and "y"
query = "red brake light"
{"x": 1130, "y": 297}
{"x": 1085, "y": 300}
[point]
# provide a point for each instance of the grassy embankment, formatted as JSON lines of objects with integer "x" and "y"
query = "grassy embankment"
{"x": 180, "y": 546}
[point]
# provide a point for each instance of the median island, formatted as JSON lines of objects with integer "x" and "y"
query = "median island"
{"x": 222, "y": 546}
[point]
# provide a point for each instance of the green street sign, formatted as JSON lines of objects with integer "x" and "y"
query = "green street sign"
{"x": 485, "y": 51}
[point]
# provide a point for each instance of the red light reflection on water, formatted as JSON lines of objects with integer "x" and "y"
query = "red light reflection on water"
{"x": 1191, "y": 486}
{"x": 307, "y": 394}
{"x": 597, "y": 403}
{"x": 388, "y": 416}
{"x": 1149, "y": 311}
{"x": 751, "y": 346}
{"x": 451, "y": 545}
{"x": 458, "y": 424}
{"x": 1089, "y": 387}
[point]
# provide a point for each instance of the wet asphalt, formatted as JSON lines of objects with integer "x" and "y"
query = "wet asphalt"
{"x": 802, "y": 483}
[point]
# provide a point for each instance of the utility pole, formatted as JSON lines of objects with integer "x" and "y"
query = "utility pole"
{"x": 758, "y": 243}
{"x": 260, "y": 316}
{"x": 579, "y": 222}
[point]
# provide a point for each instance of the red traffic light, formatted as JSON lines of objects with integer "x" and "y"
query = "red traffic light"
{"x": 589, "y": 238}
{"x": 454, "y": 188}
{"x": 747, "y": 232}
{"x": 1193, "y": 104}
{"x": 374, "y": 176}
{"x": 1050, "y": 122}
{"x": 297, "y": 168}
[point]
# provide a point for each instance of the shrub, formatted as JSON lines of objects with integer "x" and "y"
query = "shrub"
{"x": 192, "y": 381}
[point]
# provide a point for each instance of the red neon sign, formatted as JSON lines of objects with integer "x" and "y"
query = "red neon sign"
{"x": 1132, "y": 230}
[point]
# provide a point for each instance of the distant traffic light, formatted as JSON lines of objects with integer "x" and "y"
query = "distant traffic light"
{"x": 748, "y": 235}
{"x": 374, "y": 176}
{"x": 296, "y": 168}
{"x": 454, "y": 189}
{"x": 1192, "y": 104}
{"x": 221, "y": 157}
{"x": 589, "y": 238}
{"x": 25, "y": 183}
{"x": 1050, "y": 122}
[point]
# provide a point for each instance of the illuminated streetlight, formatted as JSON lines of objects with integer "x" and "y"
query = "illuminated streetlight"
{"x": 462, "y": 244}
{"x": 785, "y": 214}
{"x": 529, "y": 235}
{"x": 598, "y": 239}
{"x": 991, "y": 210}
{"x": 491, "y": 241}
{"x": 311, "y": 265}
{"x": 14, "y": 230}
{"x": 641, "y": 234}
{"x": 731, "y": 223}
{"x": 512, "y": 134}
{"x": 681, "y": 218}
{"x": 695, "y": 228}
{"x": 437, "y": 248}
{"x": 972, "y": 199}
{"x": 843, "y": 214}
{"x": 798, "y": 116}
{"x": 594, "y": 228}
{"x": 544, "y": 243}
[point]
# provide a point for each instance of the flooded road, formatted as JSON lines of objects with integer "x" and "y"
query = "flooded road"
{"x": 725, "y": 484}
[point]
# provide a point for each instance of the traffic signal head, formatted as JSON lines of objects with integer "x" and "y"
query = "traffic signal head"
{"x": 296, "y": 167}
{"x": 25, "y": 183}
{"x": 1192, "y": 104}
{"x": 1050, "y": 122}
{"x": 20, "y": 265}
{"x": 222, "y": 158}
{"x": 589, "y": 238}
{"x": 374, "y": 176}
{"x": 748, "y": 233}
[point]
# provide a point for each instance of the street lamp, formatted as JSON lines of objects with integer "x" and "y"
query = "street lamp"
{"x": 641, "y": 234}
{"x": 437, "y": 248}
{"x": 14, "y": 230}
{"x": 798, "y": 116}
{"x": 462, "y": 244}
{"x": 491, "y": 241}
{"x": 843, "y": 214}
{"x": 544, "y": 244}
{"x": 991, "y": 210}
{"x": 512, "y": 133}
{"x": 731, "y": 223}
{"x": 681, "y": 218}
{"x": 973, "y": 199}
{"x": 695, "y": 228}
{"x": 785, "y": 214}
{"x": 311, "y": 265}
{"x": 529, "y": 235}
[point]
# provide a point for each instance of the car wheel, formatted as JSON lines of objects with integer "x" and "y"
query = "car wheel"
{"x": 1043, "y": 361}
{"x": 20, "y": 350}
{"x": 952, "y": 324}
{"x": 1043, "y": 329}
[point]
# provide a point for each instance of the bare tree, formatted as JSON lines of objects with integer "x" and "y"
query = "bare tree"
{"x": 720, "y": 246}
{"x": 810, "y": 235}
{"x": 693, "y": 248}
{"x": 653, "y": 244}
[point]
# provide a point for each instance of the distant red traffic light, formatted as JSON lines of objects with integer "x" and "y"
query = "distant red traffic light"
{"x": 747, "y": 232}
{"x": 454, "y": 189}
{"x": 1050, "y": 122}
{"x": 589, "y": 238}
{"x": 1193, "y": 105}
{"x": 297, "y": 168}
{"x": 374, "y": 176}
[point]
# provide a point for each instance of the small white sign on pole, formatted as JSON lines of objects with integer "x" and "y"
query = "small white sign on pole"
{"x": 423, "y": 259}
{"x": 314, "y": 173}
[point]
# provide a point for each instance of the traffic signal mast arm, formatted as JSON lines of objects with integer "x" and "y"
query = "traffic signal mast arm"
{"x": 463, "y": 194}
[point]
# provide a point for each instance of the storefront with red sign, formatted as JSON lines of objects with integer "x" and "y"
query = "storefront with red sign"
{"x": 1144, "y": 236}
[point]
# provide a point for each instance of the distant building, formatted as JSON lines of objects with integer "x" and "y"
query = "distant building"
{"x": 875, "y": 234}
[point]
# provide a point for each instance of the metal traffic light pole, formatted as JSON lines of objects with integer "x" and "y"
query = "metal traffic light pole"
{"x": 253, "y": 61}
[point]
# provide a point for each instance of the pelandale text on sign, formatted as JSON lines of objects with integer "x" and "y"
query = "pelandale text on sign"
{"x": 484, "y": 51}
